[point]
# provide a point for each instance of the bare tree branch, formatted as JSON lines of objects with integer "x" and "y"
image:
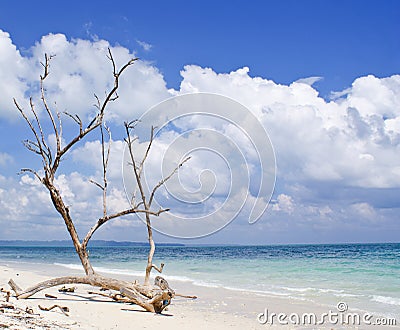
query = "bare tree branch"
{"x": 47, "y": 152}
{"x": 158, "y": 269}
{"x": 29, "y": 170}
{"x": 147, "y": 151}
{"x": 40, "y": 150}
{"x": 46, "y": 65}
{"x": 96, "y": 184}
{"x": 60, "y": 126}
{"x": 105, "y": 157}
{"x": 44, "y": 101}
{"x": 98, "y": 118}
{"x": 32, "y": 146}
{"x": 97, "y": 105}
{"x": 119, "y": 214}
{"x": 76, "y": 119}
{"x": 116, "y": 79}
{"x": 128, "y": 128}
{"x": 159, "y": 184}
{"x": 134, "y": 210}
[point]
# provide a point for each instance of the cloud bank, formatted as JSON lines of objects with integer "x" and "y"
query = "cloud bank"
{"x": 337, "y": 159}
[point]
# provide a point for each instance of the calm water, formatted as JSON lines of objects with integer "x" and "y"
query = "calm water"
{"x": 365, "y": 276}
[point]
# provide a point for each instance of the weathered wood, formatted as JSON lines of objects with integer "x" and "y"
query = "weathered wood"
{"x": 14, "y": 286}
{"x": 65, "y": 289}
{"x": 29, "y": 310}
{"x": 162, "y": 283}
{"x": 154, "y": 305}
{"x": 151, "y": 298}
{"x": 63, "y": 309}
{"x": 7, "y": 306}
{"x": 185, "y": 296}
{"x": 23, "y": 294}
{"x": 161, "y": 301}
{"x": 50, "y": 296}
{"x": 114, "y": 296}
{"x": 7, "y": 294}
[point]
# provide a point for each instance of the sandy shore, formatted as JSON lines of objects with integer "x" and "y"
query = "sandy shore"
{"x": 215, "y": 308}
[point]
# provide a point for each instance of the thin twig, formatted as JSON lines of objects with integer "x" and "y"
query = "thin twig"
{"x": 63, "y": 309}
{"x": 33, "y": 131}
{"x": 159, "y": 184}
{"x": 158, "y": 269}
{"x": 46, "y": 106}
{"x": 147, "y": 151}
{"x": 29, "y": 170}
{"x": 97, "y": 184}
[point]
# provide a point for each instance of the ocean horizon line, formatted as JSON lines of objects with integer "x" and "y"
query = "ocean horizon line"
{"x": 110, "y": 243}
{"x": 68, "y": 243}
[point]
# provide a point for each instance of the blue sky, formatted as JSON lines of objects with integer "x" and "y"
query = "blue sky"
{"x": 279, "y": 40}
{"x": 336, "y": 133}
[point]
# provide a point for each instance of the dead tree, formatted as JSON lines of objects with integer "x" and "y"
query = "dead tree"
{"x": 144, "y": 202}
{"x": 153, "y": 298}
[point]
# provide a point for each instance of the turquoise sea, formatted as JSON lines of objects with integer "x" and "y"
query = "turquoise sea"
{"x": 364, "y": 276}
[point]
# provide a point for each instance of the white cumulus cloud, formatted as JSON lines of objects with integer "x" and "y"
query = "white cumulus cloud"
{"x": 337, "y": 159}
{"x": 317, "y": 139}
{"x": 78, "y": 70}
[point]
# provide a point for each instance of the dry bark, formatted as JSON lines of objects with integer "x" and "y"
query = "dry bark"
{"x": 151, "y": 298}
{"x": 63, "y": 309}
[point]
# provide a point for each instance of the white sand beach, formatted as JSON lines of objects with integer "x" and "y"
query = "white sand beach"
{"x": 215, "y": 308}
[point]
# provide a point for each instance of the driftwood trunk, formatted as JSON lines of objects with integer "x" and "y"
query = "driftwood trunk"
{"x": 152, "y": 298}
{"x": 63, "y": 210}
